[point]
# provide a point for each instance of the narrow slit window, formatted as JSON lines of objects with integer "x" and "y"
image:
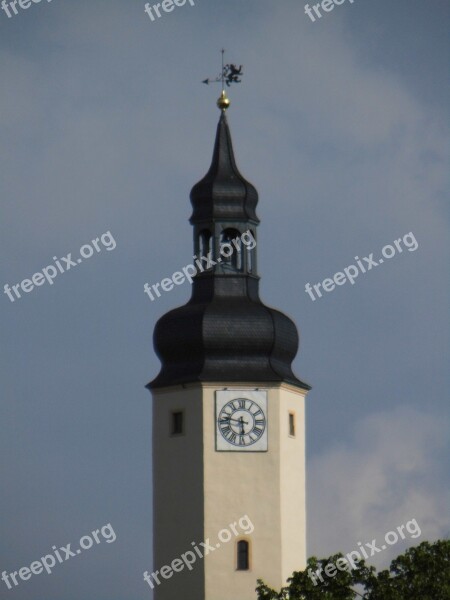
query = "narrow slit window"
{"x": 243, "y": 556}
{"x": 177, "y": 423}
{"x": 204, "y": 242}
{"x": 249, "y": 260}
{"x": 292, "y": 424}
{"x": 250, "y": 256}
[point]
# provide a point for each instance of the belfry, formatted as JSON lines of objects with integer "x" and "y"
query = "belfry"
{"x": 228, "y": 412}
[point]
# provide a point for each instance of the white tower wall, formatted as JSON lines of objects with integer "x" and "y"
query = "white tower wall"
{"x": 199, "y": 492}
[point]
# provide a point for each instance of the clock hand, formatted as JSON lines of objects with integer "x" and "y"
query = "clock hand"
{"x": 240, "y": 420}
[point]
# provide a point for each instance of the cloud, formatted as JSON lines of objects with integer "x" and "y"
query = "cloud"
{"x": 383, "y": 477}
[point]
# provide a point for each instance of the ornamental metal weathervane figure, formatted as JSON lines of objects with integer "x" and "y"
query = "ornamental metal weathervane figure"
{"x": 230, "y": 74}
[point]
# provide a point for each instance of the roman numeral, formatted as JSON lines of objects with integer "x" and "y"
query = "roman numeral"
{"x": 258, "y": 430}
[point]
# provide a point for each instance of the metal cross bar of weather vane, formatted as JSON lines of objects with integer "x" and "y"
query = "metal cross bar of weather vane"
{"x": 230, "y": 74}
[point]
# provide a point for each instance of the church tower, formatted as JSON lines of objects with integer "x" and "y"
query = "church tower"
{"x": 228, "y": 412}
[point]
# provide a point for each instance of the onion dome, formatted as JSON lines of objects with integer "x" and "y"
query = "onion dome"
{"x": 223, "y": 192}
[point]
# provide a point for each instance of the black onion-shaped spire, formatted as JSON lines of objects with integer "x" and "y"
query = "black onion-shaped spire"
{"x": 225, "y": 333}
{"x": 223, "y": 192}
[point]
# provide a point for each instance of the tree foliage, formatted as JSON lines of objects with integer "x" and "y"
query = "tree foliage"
{"x": 421, "y": 573}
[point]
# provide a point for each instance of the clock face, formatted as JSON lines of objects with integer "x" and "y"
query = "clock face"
{"x": 241, "y": 420}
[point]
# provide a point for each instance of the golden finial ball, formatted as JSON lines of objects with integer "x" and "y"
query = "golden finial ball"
{"x": 223, "y": 102}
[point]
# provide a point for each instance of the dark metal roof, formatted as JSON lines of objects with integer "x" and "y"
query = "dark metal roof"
{"x": 223, "y": 192}
{"x": 225, "y": 333}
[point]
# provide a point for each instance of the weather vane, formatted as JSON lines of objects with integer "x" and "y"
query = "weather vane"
{"x": 230, "y": 74}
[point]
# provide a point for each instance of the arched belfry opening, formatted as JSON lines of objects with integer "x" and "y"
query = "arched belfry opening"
{"x": 230, "y": 249}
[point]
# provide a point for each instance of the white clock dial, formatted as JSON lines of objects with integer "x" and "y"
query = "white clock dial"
{"x": 241, "y": 420}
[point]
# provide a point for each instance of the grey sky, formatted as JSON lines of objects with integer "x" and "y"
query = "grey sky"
{"x": 342, "y": 125}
